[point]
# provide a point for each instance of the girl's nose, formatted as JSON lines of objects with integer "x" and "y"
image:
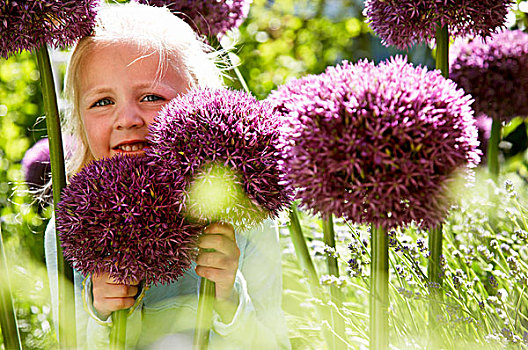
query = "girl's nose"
{"x": 129, "y": 117}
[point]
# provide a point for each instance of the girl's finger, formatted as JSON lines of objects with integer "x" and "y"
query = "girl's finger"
{"x": 116, "y": 290}
{"x": 216, "y": 260}
{"x": 218, "y": 242}
{"x": 215, "y": 275}
{"x": 221, "y": 228}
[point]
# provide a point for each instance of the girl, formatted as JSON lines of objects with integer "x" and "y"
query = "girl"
{"x": 137, "y": 59}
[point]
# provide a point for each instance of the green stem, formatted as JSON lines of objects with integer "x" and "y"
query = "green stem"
{"x": 333, "y": 269}
{"x": 379, "y": 290}
{"x": 301, "y": 250}
{"x": 334, "y": 341}
{"x": 8, "y": 321}
{"x": 493, "y": 149}
{"x": 434, "y": 272}
{"x": 67, "y": 340}
{"x": 204, "y": 316}
{"x": 435, "y": 234}
{"x": 215, "y": 43}
{"x": 442, "y": 50}
{"x": 118, "y": 334}
{"x": 239, "y": 75}
{"x": 434, "y": 269}
{"x": 331, "y": 259}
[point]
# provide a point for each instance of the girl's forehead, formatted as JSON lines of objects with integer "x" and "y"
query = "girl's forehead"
{"x": 128, "y": 64}
{"x": 126, "y": 56}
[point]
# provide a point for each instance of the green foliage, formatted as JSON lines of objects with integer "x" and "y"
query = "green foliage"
{"x": 22, "y": 224}
{"x": 285, "y": 39}
{"x": 484, "y": 286}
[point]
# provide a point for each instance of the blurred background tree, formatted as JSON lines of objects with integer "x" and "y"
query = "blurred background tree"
{"x": 287, "y": 39}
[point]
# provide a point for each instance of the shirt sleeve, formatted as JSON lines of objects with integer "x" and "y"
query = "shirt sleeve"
{"x": 259, "y": 321}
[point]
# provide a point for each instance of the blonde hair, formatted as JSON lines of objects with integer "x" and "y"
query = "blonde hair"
{"x": 153, "y": 30}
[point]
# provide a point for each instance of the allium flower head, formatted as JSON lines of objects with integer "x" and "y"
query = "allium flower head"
{"x": 402, "y": 23}
{"x": 495, "y": 73}
{"x": 210, "y": 17}
{"x": 29, "y": 24}
{"x": 119, "y": 216}
{"x": 376, "y": 144}
{"x": 205, "y": 129}
{"x": 36, "y": 164}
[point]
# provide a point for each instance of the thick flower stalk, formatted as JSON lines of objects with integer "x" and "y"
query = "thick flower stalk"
{"x": 119, "y": 216}
{"x": 379, "y": 145}
{"x": 8, "y": 319}
{"x": 211, "y": 18}
{"x": 403, "y": 23}
{"x": 206, "y": 130}
{"x": 31, "y": 24}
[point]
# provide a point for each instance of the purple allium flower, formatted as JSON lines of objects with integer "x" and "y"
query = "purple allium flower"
{"x": 29, "y": 24}
{"x": 206, "y": 129}
{"x": 119, "y": 216}
{"x": 495, "y": 73}
{"x": 210, "y": 17}
{"x": 376, "y": 144}
{"x": 403, "y": 23}
{"x": 36, "y": 162}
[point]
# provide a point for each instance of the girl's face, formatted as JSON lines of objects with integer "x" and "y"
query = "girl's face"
{"x": 120, "y": 93}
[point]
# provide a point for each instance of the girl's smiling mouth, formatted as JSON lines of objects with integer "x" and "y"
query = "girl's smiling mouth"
{"x": 131, "y": 146}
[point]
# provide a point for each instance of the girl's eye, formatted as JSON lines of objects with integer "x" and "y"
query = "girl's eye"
{"x": 152, "y": 98}
{"x": 102, "y": 102}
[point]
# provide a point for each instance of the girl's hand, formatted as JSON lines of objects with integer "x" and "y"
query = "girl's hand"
{"x": 109, "y": 296}
{"x": 220, "y": 265}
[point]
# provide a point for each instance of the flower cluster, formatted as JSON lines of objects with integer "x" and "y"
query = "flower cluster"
{"x": 212, "y": 17}
{"x": 206, "y": 129}
{"x": 29, "y": 24}
{"x": 403, "y": 23}
{"x": 376, "y": 144}
{"x": 495, "y": 73}
{"x": 119, "y": 216}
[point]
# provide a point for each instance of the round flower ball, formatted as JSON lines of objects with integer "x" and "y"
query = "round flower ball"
{"x": 495, "y": 73}
{"x": 29, "y": 24}
{"x": 403, "y": 23}
{"x": 376, "y": 144}
{"x": 119, "y": 216}
{"x": 210, "y": 17}
{"x": 227, "y": 138}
